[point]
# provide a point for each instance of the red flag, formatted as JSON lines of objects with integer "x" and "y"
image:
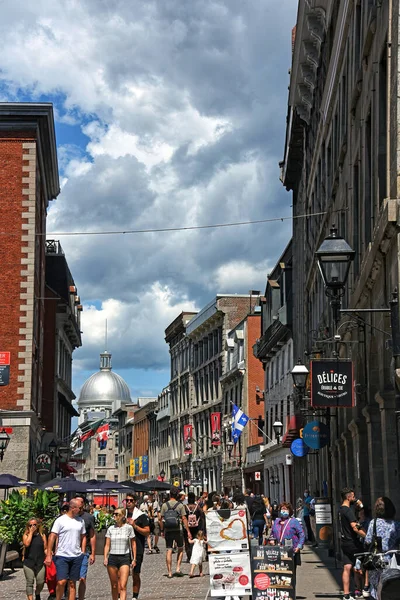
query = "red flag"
{"x": 187, "y": 438}
{"x": 103, "y": 433}
{"x": 215, "y": 429}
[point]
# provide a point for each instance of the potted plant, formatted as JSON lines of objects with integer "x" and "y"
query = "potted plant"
{"x": 103, "y": 521}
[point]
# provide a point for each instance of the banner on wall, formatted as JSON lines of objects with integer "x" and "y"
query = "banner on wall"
{"x": 187, "y": 438}
{"x": 216, "y": 429}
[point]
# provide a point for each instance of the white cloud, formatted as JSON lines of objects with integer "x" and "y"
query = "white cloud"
{"x": 182, "y": 108}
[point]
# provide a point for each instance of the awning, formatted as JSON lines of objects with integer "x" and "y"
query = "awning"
{"x": 67, "y": 469}
{"x": 294, "y": 424}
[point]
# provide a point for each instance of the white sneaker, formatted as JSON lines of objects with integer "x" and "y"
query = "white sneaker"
{"x": 366, "y": 593}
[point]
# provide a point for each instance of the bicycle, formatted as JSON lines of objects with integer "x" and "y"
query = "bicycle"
{"x": 388, "y": 587}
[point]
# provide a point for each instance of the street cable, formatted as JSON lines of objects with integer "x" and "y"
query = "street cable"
{"x": 171, "y": 229}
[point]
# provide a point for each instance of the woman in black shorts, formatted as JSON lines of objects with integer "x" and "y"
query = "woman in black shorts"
{"x": 119, "y": 553}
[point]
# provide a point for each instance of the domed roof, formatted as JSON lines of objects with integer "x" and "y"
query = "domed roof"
{"x": 105, "y": 388}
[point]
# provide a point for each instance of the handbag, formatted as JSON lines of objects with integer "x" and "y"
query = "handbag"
{"x": 372, "y": 561}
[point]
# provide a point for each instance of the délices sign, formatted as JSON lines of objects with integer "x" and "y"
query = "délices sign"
{"x": 332, "y": 383}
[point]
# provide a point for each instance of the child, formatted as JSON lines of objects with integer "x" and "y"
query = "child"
{"x": 197, "y": 553}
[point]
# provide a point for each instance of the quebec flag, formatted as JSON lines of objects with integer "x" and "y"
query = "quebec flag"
{"x": 239, "y": 422}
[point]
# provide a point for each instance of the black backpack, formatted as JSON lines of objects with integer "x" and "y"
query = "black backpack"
{"x": 171, "y": 517}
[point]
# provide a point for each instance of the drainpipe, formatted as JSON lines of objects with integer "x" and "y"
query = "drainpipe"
{"x": 389, "y": 91}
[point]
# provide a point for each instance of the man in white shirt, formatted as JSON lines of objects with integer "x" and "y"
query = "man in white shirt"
{"x": 151, "y": 508}
{"x": 69, "y": 533}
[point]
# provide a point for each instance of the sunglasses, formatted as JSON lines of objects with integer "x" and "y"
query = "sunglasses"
{"x": 129, "y": 500}
{"x": 118, "y": 515}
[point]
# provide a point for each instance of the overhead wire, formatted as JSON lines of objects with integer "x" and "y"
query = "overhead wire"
{"x": 172, "y": 229}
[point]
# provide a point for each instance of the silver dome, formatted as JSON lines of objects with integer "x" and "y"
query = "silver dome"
{"x": 104, "y": 389}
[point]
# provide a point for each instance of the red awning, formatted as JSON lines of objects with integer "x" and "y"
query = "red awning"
{"x": 67, "y": 469}
{"x": 293, "y": 426}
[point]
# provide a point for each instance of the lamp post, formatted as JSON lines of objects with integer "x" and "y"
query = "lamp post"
{"x": 4, "y": 441}
{"x": 278, "y": 428}
{"x": 52, "y": 447}
{"x": 334, "y": 258}
{"x": 300, "y": 375}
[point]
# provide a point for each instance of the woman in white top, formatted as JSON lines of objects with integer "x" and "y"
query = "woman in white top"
{"x": 119, "y": 553}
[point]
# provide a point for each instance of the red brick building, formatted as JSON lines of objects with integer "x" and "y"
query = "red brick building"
{"x": 29, "y": 180}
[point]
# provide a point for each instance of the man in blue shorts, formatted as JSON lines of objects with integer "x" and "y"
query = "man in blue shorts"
{"x": 68, "y": 535}
{"x": 90, "y": 554}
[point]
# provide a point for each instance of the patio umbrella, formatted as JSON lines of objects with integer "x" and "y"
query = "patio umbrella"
{"x": 155, "y": 484}
{"x": 64, "y": 485}
{"x": 133, "y": 486}
{"x": 105, "y": 485}
{"x": 11, "y": 481}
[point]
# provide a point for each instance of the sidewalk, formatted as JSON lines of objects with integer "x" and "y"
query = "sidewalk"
{"x": 317, "y": 577}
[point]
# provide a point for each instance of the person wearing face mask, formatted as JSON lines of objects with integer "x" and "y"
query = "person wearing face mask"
{"x": 287, "y": 527}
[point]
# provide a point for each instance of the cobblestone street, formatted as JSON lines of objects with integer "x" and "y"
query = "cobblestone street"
{"x": 315, "y": 579}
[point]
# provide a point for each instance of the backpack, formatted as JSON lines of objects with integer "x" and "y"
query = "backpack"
{"x": 193, "y": 519}
{"x": 171, "y": 517}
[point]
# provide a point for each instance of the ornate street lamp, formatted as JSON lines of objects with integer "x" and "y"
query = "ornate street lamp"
{"x": 300, "y": 374}
{"x": 52, "y": 447}
{"x": 229, "y": 447}
{"x": 334, "y": 258}
{"x": 4, "y": 441}
{"x": 278, "y": 428}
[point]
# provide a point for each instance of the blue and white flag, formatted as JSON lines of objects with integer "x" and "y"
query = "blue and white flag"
{"x": 239, "y": 422}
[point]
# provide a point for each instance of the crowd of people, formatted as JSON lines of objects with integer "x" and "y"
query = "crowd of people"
{"x": 139, "y": 522}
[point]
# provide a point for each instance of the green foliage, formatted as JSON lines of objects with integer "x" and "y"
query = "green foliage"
{"x": 18, "y": 508}
{"x": 103, "y": 521}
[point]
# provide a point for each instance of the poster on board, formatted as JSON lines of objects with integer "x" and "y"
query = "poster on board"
{"x": 227, "y": 530}
{"x": 273, "y": 573}
{"x": 230, "y": 574}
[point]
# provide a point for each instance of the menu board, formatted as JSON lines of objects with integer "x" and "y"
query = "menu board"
{"x": 227, "y": 530}
{"x": 230, "y": 574}
{"x": 273, "y": 573}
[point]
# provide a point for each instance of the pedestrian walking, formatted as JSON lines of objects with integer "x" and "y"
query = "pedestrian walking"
{"x": 151, "y": 508}
{"x": 141, "y": 527}
{"x": 351, "y": 544}
{"x": 388, "y": 530}
{"x": 69, "y": 540}
{"x": 258, "y": 513}
{"x": 119, "y": 553}
{"x": 196, "y": 558}
{"x": 239, "y": 502}
{"x": 287, "y": 530}
{"x": 308, "y": 510}
{"x": 173, "y": 517}
{"x": 90, "y": 553}
{"x": 195, "y": 518}
{"x": 34, "y": 551}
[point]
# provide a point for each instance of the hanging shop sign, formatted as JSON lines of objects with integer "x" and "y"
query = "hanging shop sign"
{"x": 316, "y": 435}
{"x": 299, "y": 448}
{"x": 332, "y": 383}
{"x": 187, "y": 438}
{"x": 215, "y": 429}
{"x": 43, "y": 463}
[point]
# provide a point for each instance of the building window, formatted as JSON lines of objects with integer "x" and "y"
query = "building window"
{"x": 101, "y": 477}
{"x": 116, "y": 460}
{"x": 101, "y": 460}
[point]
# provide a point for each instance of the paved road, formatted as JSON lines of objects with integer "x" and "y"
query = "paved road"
{"x": 313, "y": 578}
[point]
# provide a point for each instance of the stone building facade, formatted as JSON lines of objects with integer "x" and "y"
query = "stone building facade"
{"x": 28, "y": 182}
{"x": 274, "y": 349}
{"x": 341, "y": 163}
{"x": 242, "y": 384}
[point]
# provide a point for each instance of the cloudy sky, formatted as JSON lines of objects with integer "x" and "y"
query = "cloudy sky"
{"x": 169, "y": 113}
